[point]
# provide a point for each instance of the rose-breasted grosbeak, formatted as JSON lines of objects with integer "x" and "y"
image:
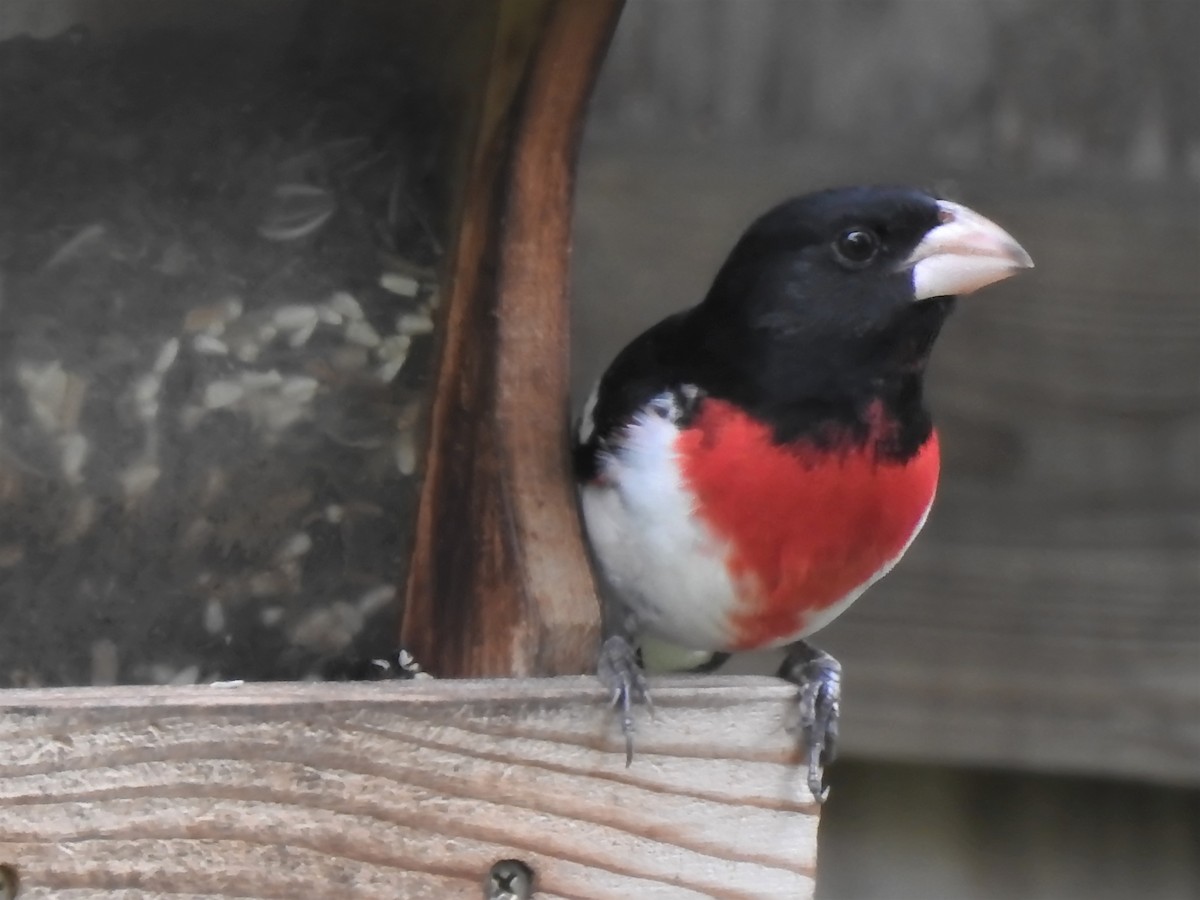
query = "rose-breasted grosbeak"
{"x": 749, "y": 466}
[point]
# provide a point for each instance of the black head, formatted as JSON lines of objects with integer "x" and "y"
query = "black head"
{"x": 832, "y": 256}
{"x": 843, "y": 292}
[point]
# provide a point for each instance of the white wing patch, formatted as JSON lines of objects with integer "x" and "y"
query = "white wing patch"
{"x": 587, "y": 422}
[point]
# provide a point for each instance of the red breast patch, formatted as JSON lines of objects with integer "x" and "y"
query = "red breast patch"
{"x": 806, "y": 525}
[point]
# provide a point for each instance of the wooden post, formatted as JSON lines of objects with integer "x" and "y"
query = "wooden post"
{"x": 499, "y": 583}
{"x": 401, "y": 791}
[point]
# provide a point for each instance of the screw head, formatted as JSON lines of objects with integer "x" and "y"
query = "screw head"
{"x": 509, "y": 879}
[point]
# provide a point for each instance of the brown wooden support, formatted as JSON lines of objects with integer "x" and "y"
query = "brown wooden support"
{"x": 500, "y": 583}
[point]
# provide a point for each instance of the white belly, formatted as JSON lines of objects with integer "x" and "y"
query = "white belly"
{"x": 659, "y": 558}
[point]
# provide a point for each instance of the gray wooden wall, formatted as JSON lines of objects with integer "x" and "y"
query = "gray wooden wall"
{"x": 1048, "y": 620}
{"x": 1111, "y": 86}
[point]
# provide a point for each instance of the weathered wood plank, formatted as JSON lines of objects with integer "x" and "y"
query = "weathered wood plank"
{"x": 1056, "y": 82}
{"x": 917, "y": 832}
{"x": 402, "y": 790}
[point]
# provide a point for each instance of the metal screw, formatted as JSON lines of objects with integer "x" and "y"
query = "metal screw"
{"x": 509, "y": 879}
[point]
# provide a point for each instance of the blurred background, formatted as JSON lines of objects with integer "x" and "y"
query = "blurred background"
{"x": 1022, "y": 710}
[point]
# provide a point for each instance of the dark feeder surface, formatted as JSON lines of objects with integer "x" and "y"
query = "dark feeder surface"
{"x": 217, "y": 289}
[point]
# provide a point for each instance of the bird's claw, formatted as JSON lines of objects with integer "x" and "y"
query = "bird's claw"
{"x": 819, "y": 677}
{"x": 619, "y": 671}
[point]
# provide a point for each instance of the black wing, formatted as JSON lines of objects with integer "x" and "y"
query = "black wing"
{"x": 651, "y": 364}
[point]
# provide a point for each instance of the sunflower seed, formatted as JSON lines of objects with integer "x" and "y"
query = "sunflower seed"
{"x": 73, "y": 449}
{"x": 220, "y": 394}
{"x": 49, "y": 393}
{"x": 401, "y": 285}
{"x": 257, "y": 381}
{"x": 345, "y": 304}
{"x": 296, "y": 546}
{"x": 301, "y": 335}
{"x": 361, "y": 332}
{"x": 271, "y": 616}
{"x": 393, "y": 353}
{"x": 389, "y": 370}
{"x": 414, "y": 323}
{"x": 210, "y": 346}
{"x": 299, "y": 210}
{"x": 394, "y": 347}
{"x": 138, "y": 479}
{"x": 327, "y": 630}
{"x": 214, "y": 616}
{"x": 145, "y": 395}
{"x": 329, "y": 315}
{"x": 300, "y": 387}
{"x": 167, "y": 355}
{"x": 406, "y": 452}
{"x": 295, "y": 317}
{"x": 376, "y": 599}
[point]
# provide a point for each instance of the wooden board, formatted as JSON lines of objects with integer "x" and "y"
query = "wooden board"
{"x": 402, "y": 790}
{"x": 918, "y": 832}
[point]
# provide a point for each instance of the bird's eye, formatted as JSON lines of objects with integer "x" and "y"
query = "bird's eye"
{"x": 856, "y": 247}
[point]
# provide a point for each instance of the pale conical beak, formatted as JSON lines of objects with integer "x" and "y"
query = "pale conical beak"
{"x": 962, "y": 254}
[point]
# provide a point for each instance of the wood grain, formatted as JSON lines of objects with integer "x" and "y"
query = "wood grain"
{"x": 1056, "y": 84}
{"x": 500, "y": 582}
{"x": 532, "y": 312}
{"x": 402, "y": 790}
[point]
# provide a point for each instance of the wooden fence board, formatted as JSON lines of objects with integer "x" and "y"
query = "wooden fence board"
{"x": 402, "y": 790}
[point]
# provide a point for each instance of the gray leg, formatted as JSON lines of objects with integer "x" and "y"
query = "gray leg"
{"x": 620, "y": 672}
{"x": 819, "y": 677}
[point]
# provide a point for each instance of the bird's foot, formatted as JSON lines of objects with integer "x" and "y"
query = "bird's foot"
{"x": 619, "y": 671}
{"x": 819, "y": 677}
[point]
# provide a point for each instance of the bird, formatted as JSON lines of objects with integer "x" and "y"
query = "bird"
{"x": 749, "y": 466}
